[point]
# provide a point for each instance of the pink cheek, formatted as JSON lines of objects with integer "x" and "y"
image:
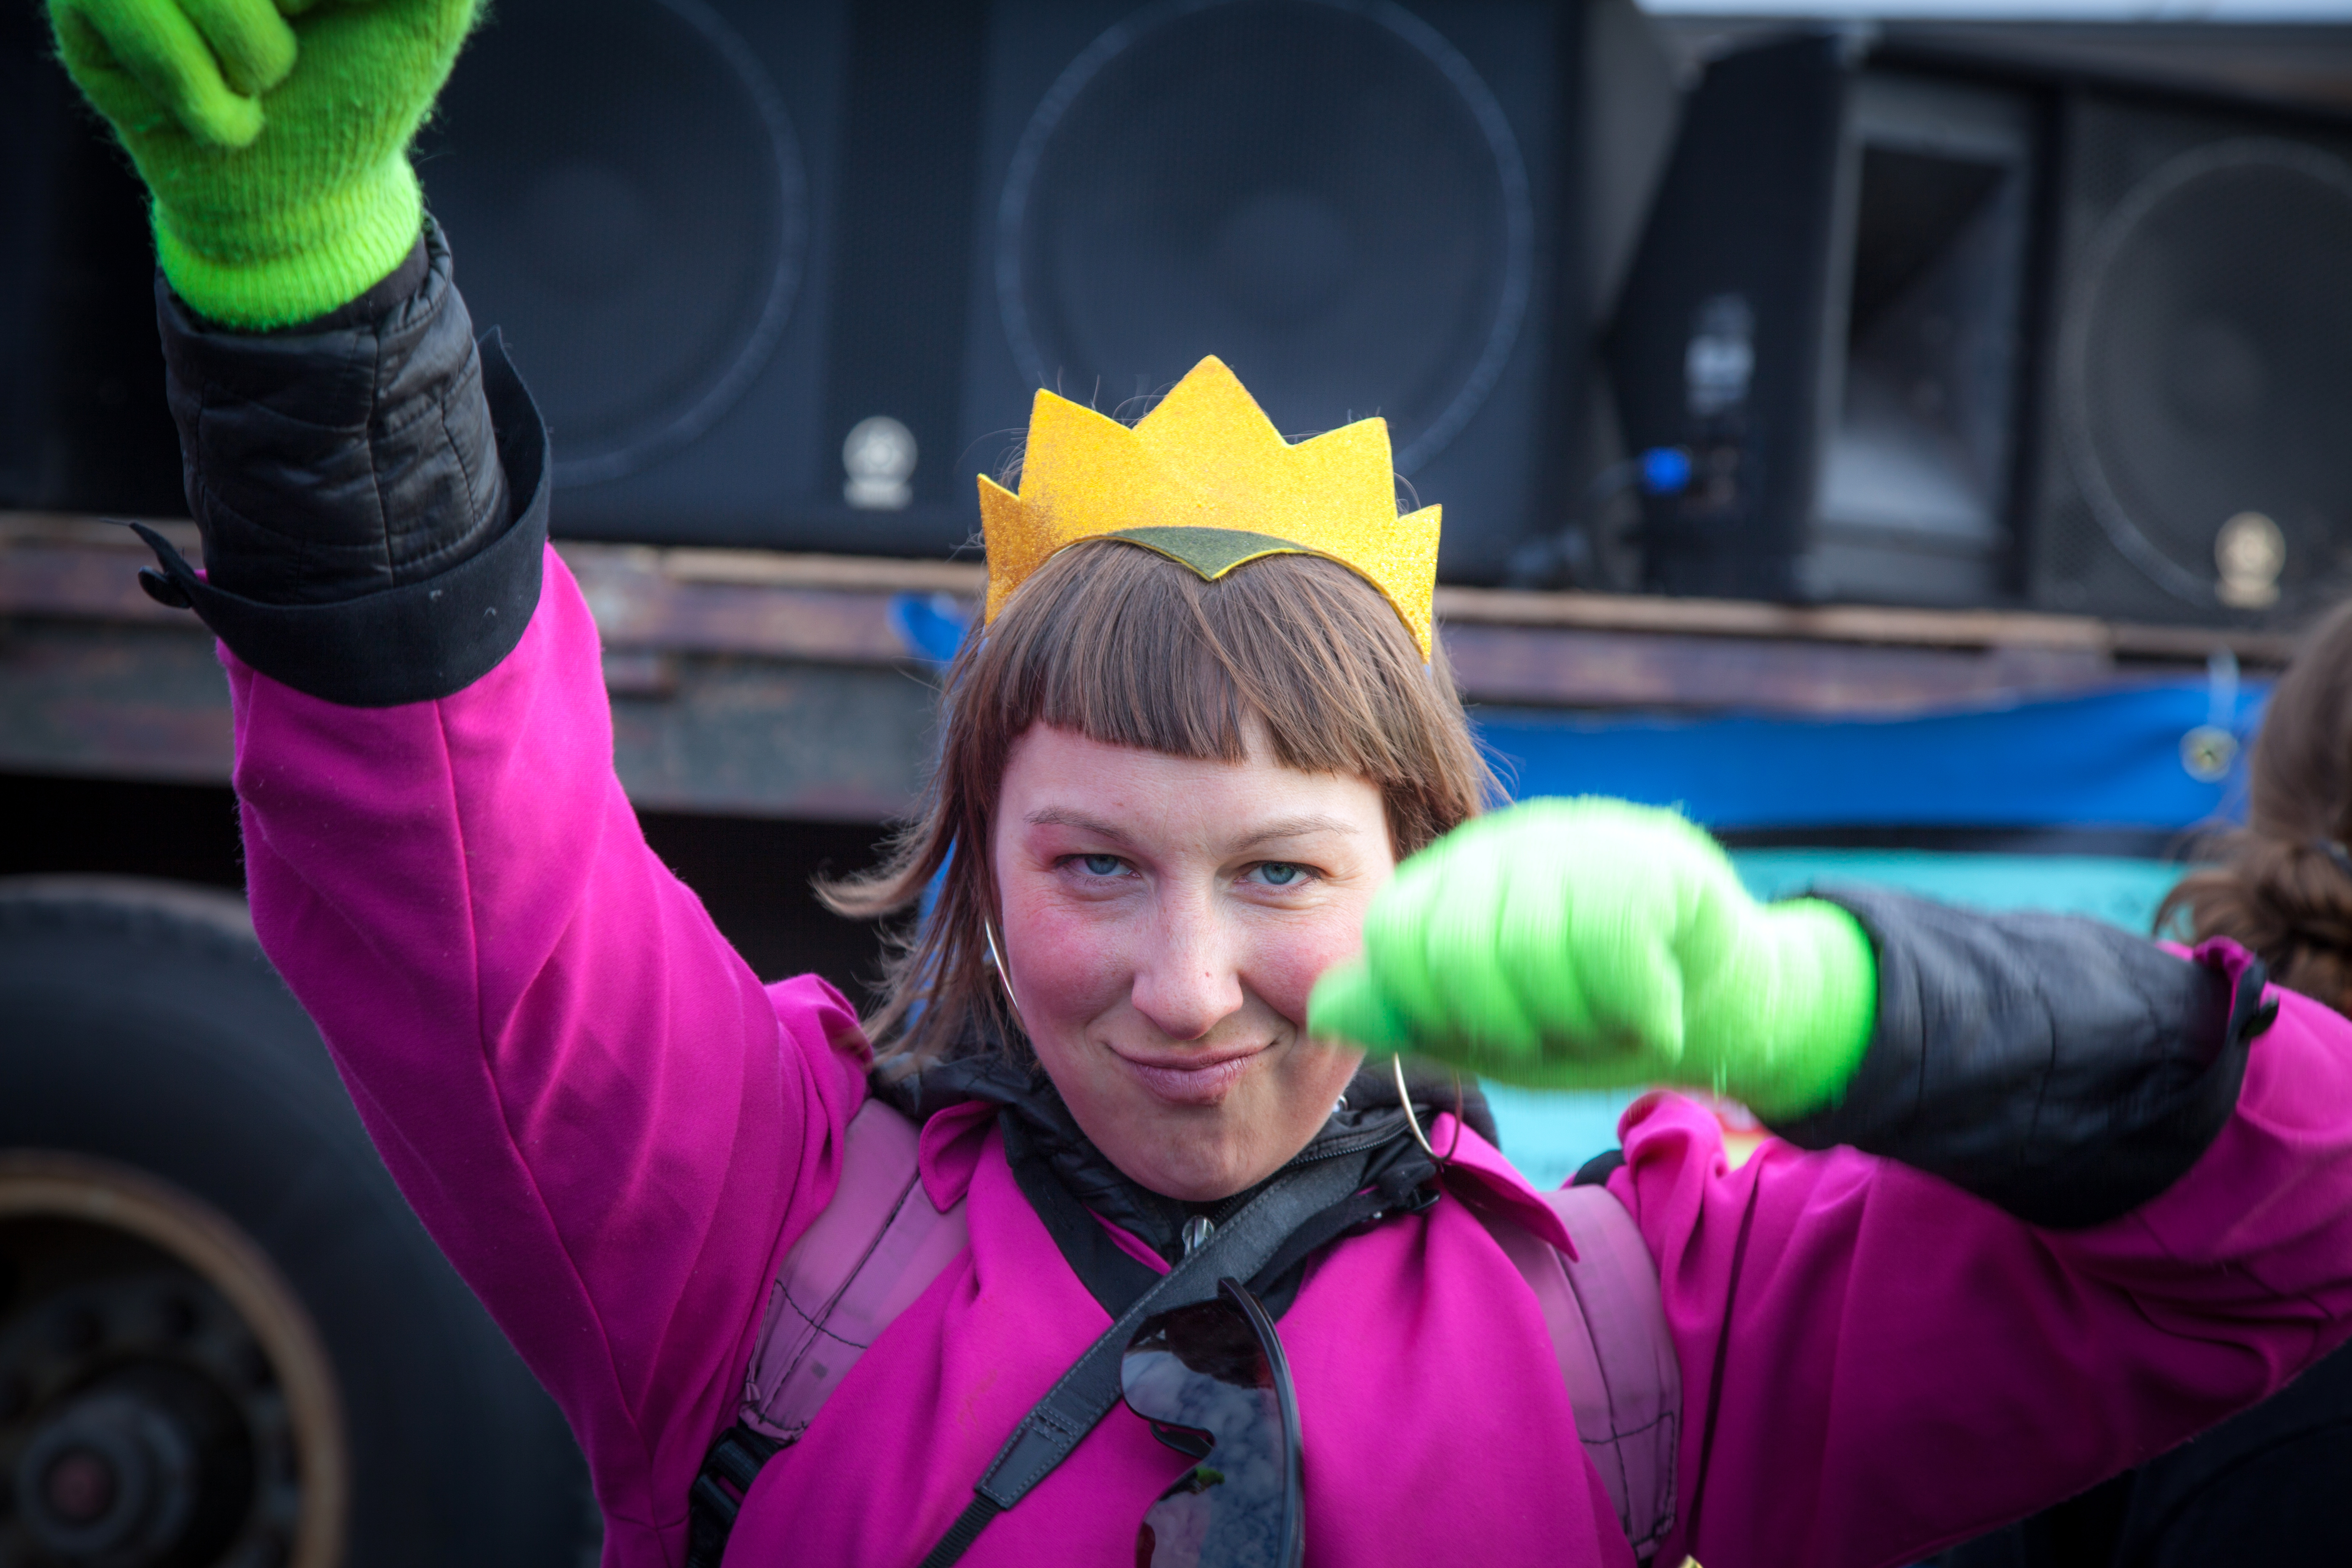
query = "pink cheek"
{"x": 1069, "y": 967}
{"x": 1284, "y": 973}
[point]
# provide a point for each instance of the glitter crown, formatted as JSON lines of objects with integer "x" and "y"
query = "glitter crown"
{"x": 1206, "y": 479}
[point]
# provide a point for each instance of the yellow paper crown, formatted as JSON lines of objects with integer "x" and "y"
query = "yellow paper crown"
{"x": 1206, "y": 479}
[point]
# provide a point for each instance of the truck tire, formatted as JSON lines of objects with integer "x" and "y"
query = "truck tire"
{"x": 225, "y": 1339}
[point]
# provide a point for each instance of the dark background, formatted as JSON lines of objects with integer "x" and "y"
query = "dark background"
{"x": 753, "y": 876}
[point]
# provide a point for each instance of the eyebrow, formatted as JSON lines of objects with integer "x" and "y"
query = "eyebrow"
{"x": 1284, "y": 828}
{"x": 1300, "y": 828}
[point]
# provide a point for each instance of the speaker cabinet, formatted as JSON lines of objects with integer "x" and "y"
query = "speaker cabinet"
{"x": 628, "y": 183}
{"x": 1948, "y": 332}
{"x": 1354, "y": 205}
{"x": 1827, "y": 312}
{"x": 755, "y": 260}
{"x": 724, "y": 237}
{"x": 2198, "y": 383}
{"x": 787, "y": 275}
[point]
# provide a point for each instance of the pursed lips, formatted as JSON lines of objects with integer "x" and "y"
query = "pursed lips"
{"x": 1189, "y": 1079}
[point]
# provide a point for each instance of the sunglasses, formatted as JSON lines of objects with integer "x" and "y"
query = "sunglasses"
{"x": 1212, "y": 1380}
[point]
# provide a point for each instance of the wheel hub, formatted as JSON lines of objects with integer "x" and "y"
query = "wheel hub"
{"x": 154, "y": 1413}
{"x": 110, "y": 1473}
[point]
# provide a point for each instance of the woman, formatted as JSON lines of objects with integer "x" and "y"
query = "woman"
{"x": 2264, "y": 1486}
{"x": 2106, "y": 1201}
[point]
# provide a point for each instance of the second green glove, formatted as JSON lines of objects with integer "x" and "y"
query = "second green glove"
{"x": 1593, "y": 943}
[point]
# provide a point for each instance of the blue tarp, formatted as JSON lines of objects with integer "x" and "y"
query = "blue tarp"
{"x": 2111, "y": 760}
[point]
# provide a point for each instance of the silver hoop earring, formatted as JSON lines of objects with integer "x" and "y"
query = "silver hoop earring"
{"x": 1003, "y": 975}
{"x": 1404, "y": 1098}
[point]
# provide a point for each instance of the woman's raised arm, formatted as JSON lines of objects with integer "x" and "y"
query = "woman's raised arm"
{"x": 601, "y": 1115}
{"x": 603, "y": 1118}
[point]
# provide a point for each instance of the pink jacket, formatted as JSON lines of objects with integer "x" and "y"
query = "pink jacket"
{"x": 615, "y": 1131}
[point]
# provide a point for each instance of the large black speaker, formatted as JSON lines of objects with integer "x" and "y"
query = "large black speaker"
{"x": 629, "y": 184}
{"x": 1948, "y": 330}
{"x": 756, "y": 259}
{"x": 1827, "y": 311}
{"x": 1355, "y": 205}
{"x": 2198, "y": 381}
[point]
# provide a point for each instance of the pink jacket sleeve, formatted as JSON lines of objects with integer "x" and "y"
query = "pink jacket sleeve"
{"x": 607, "y": 1123}
{"x": 1877, "y": 1364}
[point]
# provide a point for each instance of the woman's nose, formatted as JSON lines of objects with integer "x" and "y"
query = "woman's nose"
{"x": 1189, "y": 979}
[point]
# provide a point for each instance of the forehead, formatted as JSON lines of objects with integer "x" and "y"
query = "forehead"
{"x": 1058, "y": 778}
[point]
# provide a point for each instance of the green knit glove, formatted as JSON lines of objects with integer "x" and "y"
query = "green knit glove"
{"x": 273, "y": 137}
{"x": 1592, "y": 943}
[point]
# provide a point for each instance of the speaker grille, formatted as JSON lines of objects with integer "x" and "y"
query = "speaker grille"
{"x": 1327, "y": 196}
{"x": 627, "y": 200}
{"x": 2204, "y": 367}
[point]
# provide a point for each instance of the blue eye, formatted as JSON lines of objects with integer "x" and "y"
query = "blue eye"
{"x": 1281, "y": 873}
{"x": 1100, "y": 864}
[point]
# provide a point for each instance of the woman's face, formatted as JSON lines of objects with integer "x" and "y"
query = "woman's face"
{"x": 1164, "y": 921}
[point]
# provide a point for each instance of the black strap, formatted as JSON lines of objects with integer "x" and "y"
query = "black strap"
{"x": 1596, "y": 1172}
{"x": 1363, "y": 1210}
{"x": 1395, "y": 1181}
{"x": 963, "y": 1531}
{"x": 1085, "y": 1393}
{"x": 711, "y": 1507}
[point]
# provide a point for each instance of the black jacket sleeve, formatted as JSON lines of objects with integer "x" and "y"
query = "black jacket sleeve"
{"x": 2060, "y": 1068}
{"x": 372, "y": 488}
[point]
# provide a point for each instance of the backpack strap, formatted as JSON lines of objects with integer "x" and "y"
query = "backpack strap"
{"x": 875, "y": 1248}
{"x": 1608, "y": 1324}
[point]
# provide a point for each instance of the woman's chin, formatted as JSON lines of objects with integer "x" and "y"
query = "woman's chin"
{"x": 1193, "y": 1162}
{"x": 1200, "y": 1135}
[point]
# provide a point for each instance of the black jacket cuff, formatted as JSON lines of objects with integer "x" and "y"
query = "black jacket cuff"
{"x": 345, "y": 455}
{"x": 372, "y": 488}
{"x": 426, "y": 638}
{"x": 2057, "y": 1066}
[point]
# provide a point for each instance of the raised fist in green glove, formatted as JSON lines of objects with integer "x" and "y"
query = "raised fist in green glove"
{"x": 273, "y": 135}
{"x": 1592, "y": 943}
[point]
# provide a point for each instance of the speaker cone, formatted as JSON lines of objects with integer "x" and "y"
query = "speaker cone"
{"x": 1324, "y": 194}
{"x": 625, "y": 197}
{"x": 2204, "y": 373}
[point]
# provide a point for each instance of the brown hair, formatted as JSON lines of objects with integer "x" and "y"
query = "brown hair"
{"x": 2282, "y": 886}
{"x": 1129, "y": 649}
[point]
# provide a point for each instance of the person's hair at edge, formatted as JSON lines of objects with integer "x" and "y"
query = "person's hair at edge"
{"x": 1122, "y": 645}
{"x": 2277, "y": 888}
